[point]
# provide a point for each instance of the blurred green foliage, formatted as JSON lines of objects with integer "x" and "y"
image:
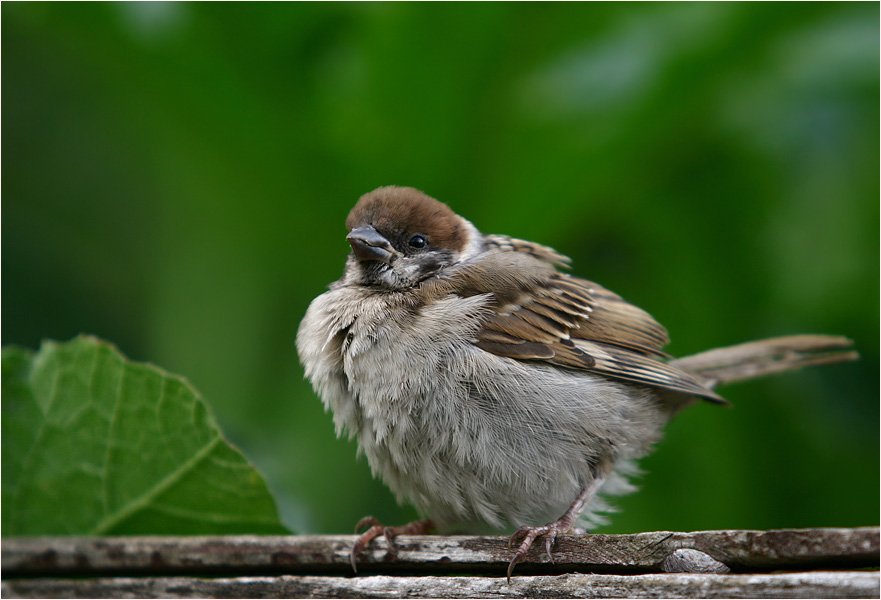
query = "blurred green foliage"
{"x": 176, "y": 178}
{"x": 94, "y": 444}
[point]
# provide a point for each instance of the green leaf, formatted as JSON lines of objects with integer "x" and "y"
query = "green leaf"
{"x": 96, "y": 444}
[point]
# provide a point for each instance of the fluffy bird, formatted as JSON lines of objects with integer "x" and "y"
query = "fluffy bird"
{"x": 488, "y": 388}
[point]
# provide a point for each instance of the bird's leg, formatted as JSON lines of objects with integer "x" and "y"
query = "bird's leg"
{"x": 562, "y": 525}
{"x": 376, "y": 528}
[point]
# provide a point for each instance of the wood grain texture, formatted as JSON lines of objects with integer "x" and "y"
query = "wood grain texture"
{"x": 819, "y": 584}
{"x": 738, "y": 550}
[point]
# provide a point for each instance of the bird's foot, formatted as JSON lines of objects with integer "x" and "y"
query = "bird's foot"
{"x": 375, "y": 529}
{"x": 531, "y": 533}
{"x": 565, "y": 524}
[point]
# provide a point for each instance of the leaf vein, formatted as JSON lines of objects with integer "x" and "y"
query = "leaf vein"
{"x": 26, "y": 467}
{"x": 111, "y": 521}
{"x": 111, "y": 440}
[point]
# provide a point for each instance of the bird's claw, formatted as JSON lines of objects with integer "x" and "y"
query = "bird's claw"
{"x": 375, "y": 528}
{"x": 529, "y": 535}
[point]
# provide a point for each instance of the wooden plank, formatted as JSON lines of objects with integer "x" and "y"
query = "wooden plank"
{"x": 738, "y": 550}
{"x": 818, "y": 584}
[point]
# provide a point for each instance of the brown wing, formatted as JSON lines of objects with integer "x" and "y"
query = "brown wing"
{"x": 544, "y": 315}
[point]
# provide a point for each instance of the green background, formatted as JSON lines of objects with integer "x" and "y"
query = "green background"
{"x": 176, "y": 178}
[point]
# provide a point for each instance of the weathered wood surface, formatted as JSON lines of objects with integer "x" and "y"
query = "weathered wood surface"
{"x": 738, "y": 550}
{"x": 818, "y": 584}
{"x": 645, "y": 565}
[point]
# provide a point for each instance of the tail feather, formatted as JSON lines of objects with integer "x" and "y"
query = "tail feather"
{"x": 766, "y": 357}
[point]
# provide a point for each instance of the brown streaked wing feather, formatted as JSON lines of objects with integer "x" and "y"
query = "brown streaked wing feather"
{"x": 518, "y": 328}
{"x": 563, "y": 307}
{"x": 567, "y": 354}
{"x": 545, "y": 253}
{"x": 629, "y": 366}
{"x": 548, "y": 316}
{"x": 601, "y": 358}
{"x": 521, "y": 350}
{"x": 613, "y": 320}
{"x": 556, "y": 314}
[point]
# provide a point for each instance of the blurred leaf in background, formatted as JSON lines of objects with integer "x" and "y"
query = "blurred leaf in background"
{"x": 94, "y": 444}
{"x": 176, "y": 178}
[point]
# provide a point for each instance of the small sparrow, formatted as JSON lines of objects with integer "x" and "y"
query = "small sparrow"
{"x": 486, "y": 387}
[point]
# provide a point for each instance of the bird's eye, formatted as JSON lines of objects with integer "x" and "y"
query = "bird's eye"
{"x": 417, "y": 241}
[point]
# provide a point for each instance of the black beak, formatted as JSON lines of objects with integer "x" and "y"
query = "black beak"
{"x": 368, "y": 244}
